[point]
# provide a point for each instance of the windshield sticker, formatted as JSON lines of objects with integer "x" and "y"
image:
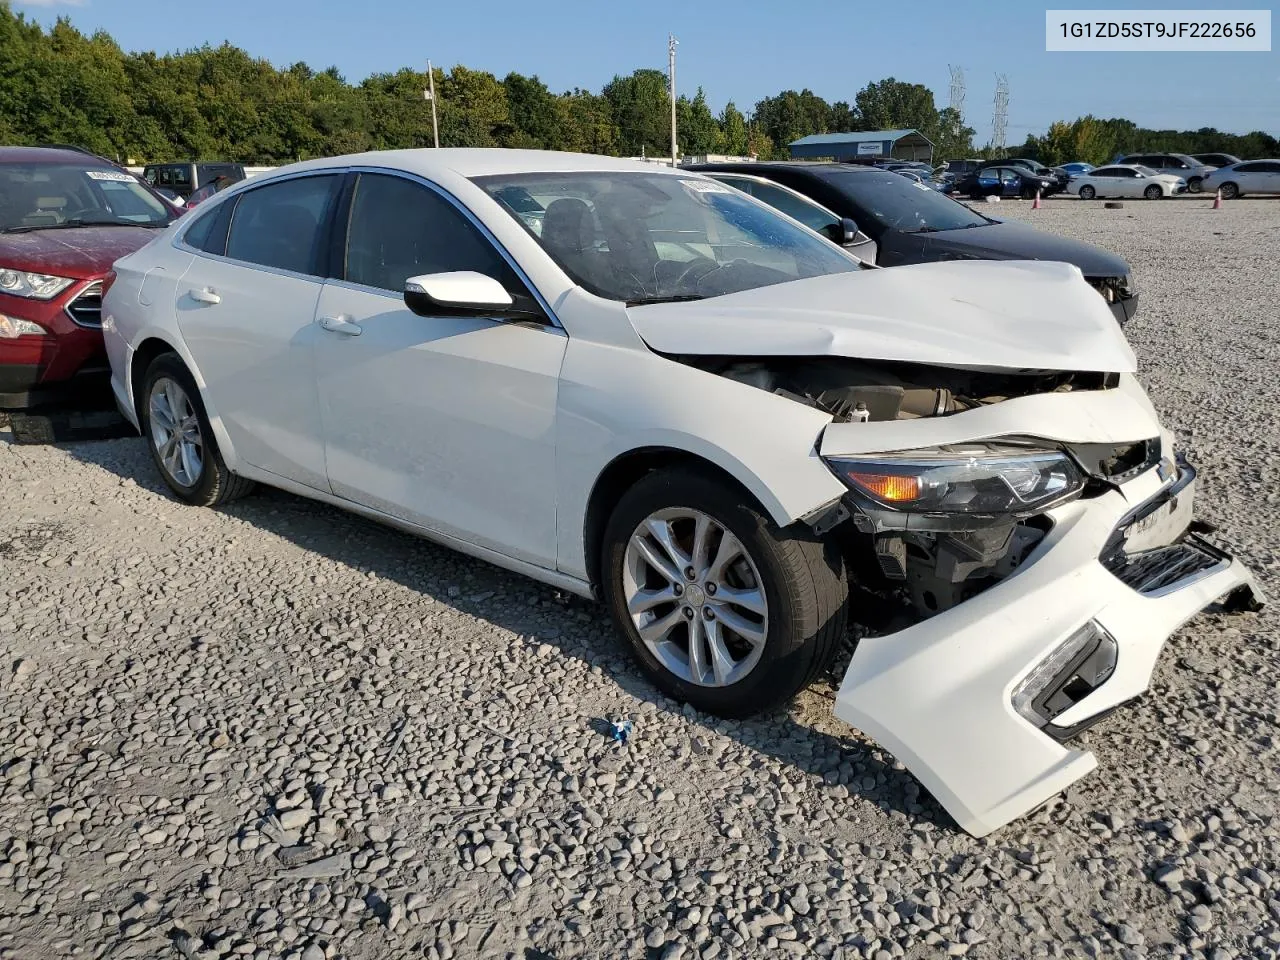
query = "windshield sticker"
{"x": 110, "y": 176}
{"x": 706, "y": 186}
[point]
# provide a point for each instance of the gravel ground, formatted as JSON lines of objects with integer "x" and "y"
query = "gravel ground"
{"x": 278, "y": 731}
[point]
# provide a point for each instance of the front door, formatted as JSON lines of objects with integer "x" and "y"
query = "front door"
{"x": 445, "y": 422}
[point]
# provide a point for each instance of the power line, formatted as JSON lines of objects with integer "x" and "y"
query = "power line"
{"x": 1000, "y": 115}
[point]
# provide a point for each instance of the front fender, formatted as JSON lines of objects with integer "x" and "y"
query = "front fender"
{"x": 614, "y": 400}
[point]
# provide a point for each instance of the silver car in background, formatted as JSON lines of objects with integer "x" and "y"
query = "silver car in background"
{"x": 1251, "y": 176}
{"x": 1175, "y": 164}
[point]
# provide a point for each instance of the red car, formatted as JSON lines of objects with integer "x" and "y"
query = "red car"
{"x": 65, "y": 218}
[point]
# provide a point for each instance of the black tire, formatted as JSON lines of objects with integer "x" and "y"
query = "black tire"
{"x": 1194, "y": 185}
{"x": 1153, "y": 192}
{"x": 803, "y": 579}
{"x": 1087, "y": 192}
{"x": 1230, "y": 191}
{"x": 215, "y": 484}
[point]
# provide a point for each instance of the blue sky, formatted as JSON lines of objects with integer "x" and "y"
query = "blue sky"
{"x": 739, "y": 52}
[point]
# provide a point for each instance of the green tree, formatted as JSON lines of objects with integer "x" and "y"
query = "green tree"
{"x": 696, "y": 126}
{"x": 791, "y": 115}
{"x": 733, "y": 131}
{"x": 640, "y": 105}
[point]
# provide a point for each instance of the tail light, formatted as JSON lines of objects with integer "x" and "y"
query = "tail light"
{"x": 107, "y": 281}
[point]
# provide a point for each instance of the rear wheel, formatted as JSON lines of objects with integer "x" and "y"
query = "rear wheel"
{"x": 1153, "y": 192}
{"x": 1194, "y": 185}
{"x": 721, "y": 608}
{"x": 1230, "y": 191}
{"x": 1087, "y": 192}
{"x": 180, "y": 438}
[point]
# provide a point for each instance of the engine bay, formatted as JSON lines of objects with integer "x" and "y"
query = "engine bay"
{"x": 859, "y": 390}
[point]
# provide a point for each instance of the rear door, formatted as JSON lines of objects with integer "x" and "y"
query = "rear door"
{"x": 246, "y": 309}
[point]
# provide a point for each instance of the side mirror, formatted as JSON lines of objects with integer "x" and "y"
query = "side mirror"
{"x": 462, "y": 293}
{"x": 844, "y": 233}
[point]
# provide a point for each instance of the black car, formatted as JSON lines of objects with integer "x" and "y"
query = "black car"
{"x": 1059, "y": 178}
{"x": 1004, "y": 182}
{"x": 186, "y": 178}
{"x": 1216, "y": 159}
{"x": 912, "y": 223}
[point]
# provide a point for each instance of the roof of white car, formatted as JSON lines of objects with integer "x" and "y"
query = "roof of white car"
{"x": 479, "y": 162}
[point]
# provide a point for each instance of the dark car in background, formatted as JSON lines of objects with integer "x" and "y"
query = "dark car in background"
{"x": 65, "y": 217}
{"x": 1057, "y": 176}
{"x": 1216, "y": 159}
{"x": 1003, "y": 181}
{"x": 186, "y": 178}
{"x": 911, "y": 223}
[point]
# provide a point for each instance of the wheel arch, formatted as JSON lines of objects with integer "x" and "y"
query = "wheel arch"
{"x": 143, "y": 355}
{"x": 623, "y": 472}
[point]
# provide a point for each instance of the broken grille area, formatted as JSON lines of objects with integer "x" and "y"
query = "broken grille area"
{"x": 1154, "y": 570}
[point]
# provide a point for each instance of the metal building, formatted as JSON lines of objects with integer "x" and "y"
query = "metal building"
{"x": 867, "y": 144}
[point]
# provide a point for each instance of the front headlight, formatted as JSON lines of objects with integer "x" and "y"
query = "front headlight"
{"x": 33, "y": 286}
{"x": 968, "y": 479}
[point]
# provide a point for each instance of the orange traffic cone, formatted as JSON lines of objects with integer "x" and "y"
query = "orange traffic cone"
{"x": 1217, "y": 199}
{"x": 1036, "y": 203}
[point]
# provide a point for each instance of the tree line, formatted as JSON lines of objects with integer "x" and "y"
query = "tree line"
{"x": 219, "y": 103}
{"x": 1096, "y": 141}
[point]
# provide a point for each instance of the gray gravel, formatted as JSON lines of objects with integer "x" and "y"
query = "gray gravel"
{"x": 278, "y": 731}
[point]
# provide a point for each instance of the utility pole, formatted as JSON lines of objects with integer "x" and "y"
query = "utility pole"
{"x": 672, "y": 43}
{"x": 430, "y": 93}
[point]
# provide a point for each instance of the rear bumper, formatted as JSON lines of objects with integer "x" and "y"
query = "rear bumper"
{"x": 940, "y": 695}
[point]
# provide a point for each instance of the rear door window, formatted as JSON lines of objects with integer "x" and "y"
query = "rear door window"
{"x": 281, "y": 224}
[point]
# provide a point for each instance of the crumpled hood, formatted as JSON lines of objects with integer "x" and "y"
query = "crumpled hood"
{"x": 82, "y": 253}
{"x": 1021, "y": 315}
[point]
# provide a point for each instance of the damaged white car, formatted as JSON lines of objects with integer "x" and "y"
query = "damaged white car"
{"x": 640, "y": 385}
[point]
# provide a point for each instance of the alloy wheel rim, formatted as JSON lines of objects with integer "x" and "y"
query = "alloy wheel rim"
{"x": 695, "y": 596}
{"x": 175, "y": 432}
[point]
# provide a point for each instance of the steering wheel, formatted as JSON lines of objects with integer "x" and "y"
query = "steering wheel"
{"x": 706, "y": 265}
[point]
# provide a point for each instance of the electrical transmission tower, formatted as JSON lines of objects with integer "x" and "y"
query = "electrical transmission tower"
{"x": 1000, "y": 115}
{"x": 957, "y": 90}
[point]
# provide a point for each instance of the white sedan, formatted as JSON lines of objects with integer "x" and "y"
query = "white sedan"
{"x": 1248, "y": 176}
{"x": 644, "y": 386}
{"x": 1126, "y": 180}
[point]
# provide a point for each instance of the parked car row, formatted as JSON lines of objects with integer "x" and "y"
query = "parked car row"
{"x": 967, "y": 440}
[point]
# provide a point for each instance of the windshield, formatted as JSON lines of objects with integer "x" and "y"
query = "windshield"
{"x": 650, "y": 237}
{"x": 888, "y": 201}
{"x": 40, "y": 196}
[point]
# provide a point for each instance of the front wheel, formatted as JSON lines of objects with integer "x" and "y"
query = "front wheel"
{"x": 1153, "y": 192}
{"x": 721, "y": 608}
{"x": 1194, "y": 185}
{"x": 180, "y": 438}
{"x": 1229, "y": 191}
{"x": 1087, "y": 192}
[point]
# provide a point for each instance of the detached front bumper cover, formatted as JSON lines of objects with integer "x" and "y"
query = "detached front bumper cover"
{"x": 976, "y": 700}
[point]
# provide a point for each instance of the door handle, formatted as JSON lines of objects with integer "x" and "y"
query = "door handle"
{"x": 341, "y": 325}
{"x": 205, "y": 296}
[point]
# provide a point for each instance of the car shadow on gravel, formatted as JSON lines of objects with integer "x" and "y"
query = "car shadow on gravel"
{"x": 577, "y": 628}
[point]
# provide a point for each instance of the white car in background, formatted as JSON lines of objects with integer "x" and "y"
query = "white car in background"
{"x": 1126, "y": 180}
{"x": 1248, "y": 176}
{"x": 642, "y": 385}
